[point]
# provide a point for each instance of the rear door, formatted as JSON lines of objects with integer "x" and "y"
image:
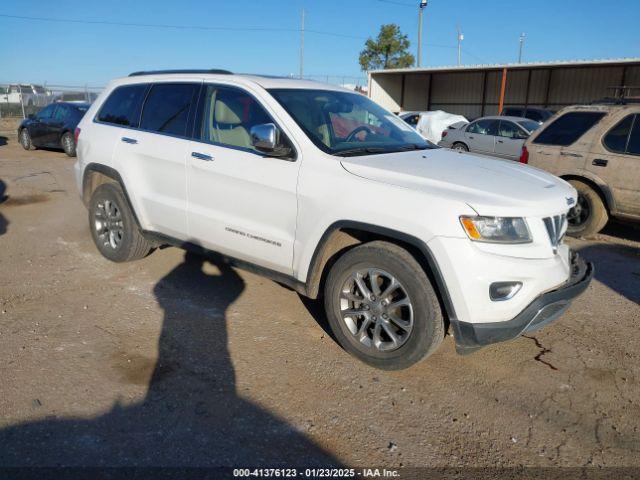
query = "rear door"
{"x": 480, "y": 136}
{"x": 616, "y": 161}
{"x": 509, "y": 140}
{"x": 152, "y": 156}
{"x": 242, "y": 203}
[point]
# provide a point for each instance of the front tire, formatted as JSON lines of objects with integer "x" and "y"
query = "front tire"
{"x": 68, "y": 144}
{"x": 25, "y": 139}
{"x": 381, "y": 306}
{"x": 113, "y": 227}
{"x": 589, "y": 215}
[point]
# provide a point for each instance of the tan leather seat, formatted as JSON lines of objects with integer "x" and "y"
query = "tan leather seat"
{"x": 228, "y": 128}
{"x": 302, "y": 112}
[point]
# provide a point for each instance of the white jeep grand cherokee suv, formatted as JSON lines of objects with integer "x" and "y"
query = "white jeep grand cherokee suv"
{"x": 321, "y": 189}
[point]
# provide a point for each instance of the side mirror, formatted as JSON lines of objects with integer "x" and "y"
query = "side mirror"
{"x": 266, "y": 139}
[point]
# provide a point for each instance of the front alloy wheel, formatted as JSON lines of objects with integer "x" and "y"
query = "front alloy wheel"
{"x": 376, "y": 309}
{"x": 381, "y": 306}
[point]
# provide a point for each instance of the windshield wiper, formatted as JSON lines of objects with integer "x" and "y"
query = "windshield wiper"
{"x": 352, "y": 152}
{"x": 412, "y": 146}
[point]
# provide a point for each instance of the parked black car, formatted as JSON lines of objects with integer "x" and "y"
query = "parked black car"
{"x": 53, "y": 127}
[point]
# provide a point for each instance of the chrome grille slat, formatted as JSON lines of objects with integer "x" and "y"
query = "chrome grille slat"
{"x": 556, "y": 228}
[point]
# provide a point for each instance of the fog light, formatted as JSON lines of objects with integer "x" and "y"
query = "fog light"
{"x": 499, "y": 291}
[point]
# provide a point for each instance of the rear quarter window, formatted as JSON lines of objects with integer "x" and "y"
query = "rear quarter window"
{"x": 568, "y": 128}
{"x": 123, "y": 106}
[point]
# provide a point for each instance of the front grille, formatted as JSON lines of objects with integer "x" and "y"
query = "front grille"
{"x": 556, "y": 228}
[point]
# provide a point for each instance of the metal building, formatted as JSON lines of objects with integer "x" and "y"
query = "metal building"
{"x": 474, "y": 91}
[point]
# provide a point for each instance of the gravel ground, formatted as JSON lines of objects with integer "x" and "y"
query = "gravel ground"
{"x": 174, "y": 360}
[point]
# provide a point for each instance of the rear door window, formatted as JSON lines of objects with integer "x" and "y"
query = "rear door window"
{"x": 616, "y": 139}
{"x": 124, "y": 105}
{"x": 634, "y": 139}
{"x": 567, "y": 129}
{"x": 167, "y": 107}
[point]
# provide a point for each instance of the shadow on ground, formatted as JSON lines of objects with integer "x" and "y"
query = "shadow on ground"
{"x": 191, "y": 415}
{"x": 616, "y": 265}
{"x": 3, "y": 220}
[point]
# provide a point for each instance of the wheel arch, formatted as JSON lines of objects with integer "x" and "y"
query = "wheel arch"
{"x": 96, "y": 174}
{"x": 345, "y": 234}
{"x": 602, "y": 190}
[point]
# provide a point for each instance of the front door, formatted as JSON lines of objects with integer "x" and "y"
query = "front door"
{"x": 242, "y": 203}
{"x": 509, "y": 140}
{"x": 39, "y": 130}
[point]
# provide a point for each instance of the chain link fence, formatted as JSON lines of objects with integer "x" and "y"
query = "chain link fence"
{"x": 19, "y": 100}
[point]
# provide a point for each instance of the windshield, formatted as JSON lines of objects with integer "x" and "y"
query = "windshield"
{"x": 343, "y": 123}
{"x": 529, "y": 125}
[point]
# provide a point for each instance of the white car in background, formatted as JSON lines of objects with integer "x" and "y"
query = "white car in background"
{"x": 323, "y": 190}
{"x": 495, "y": 136}
{"x": 28, "y": 95}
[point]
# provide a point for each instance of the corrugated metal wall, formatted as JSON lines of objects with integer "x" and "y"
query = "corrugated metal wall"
{"x": 477, "y": 92}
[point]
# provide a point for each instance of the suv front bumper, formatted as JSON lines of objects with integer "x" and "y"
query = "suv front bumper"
{"x": 543, "y": 310}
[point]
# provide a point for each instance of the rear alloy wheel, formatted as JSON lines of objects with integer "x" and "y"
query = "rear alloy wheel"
{"x": 589, "y": 215}
{"x": 68, "y": 144}
{"x": 460, "y": 147}
{"x": 113, "y": 227}
{"x": 381, "y": 306}
{"x": 25, "y": 139}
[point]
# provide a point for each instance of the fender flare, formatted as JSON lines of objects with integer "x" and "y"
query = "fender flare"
{"x": 431, "y": 266}
{"x": 113, "y": 175}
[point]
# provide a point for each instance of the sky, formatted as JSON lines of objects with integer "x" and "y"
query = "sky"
{"x": 262, "y": 36}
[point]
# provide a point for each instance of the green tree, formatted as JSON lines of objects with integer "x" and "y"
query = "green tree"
{"x": 389, "y": 50}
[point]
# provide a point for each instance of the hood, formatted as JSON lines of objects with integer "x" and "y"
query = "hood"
{"x": 490, "y": 186}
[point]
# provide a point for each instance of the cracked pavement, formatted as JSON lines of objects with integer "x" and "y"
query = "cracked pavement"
{"x": 173, "y": 360}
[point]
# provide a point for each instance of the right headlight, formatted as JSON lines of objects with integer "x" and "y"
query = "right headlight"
{"x": 496, "y": 229}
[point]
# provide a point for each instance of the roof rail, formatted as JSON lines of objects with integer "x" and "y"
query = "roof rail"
{"x": 159, "y": 72}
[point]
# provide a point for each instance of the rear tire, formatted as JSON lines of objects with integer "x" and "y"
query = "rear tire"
{"x": 68, "y": 144}
{"x": 460, "y": 147}
{"x": 589, "y": 215}
{"x": 395, "y": 322}
{"x": 25, "y": 139}
{"x": 113, "y": 227}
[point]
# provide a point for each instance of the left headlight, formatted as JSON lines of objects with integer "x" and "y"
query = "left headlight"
{"x": 496, "y": 229}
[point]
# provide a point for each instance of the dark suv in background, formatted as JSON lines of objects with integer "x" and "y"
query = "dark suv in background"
{"x": 53, "y": 127}
{"x": 536, "y": 114}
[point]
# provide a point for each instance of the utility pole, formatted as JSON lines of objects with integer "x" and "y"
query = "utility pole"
{"x": 302, "y": 45}
{"x": 423, "y": 4}
{"x": 460, "y": 38}
{"x": 522, "y": 36}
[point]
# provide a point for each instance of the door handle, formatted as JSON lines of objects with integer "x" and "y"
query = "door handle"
{"x": 500, "y": 141}
{"x": 132, "y": 141}
{"x": 471, "y": 137}
{"x": 599, "y": 162}
{"x": 202, "y": 156}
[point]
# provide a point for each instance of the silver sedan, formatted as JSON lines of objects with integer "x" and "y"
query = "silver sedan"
{"x": 495, "y": 136}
